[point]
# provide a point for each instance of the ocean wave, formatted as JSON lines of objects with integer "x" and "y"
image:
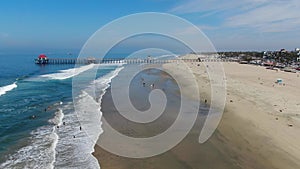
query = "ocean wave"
{"x": 7, "y": 88}
{"x": 74, "y": 147}
{"x": 103, "y": 82}
{"x": 77, "y": 138}
{"x": 65, "y": 74}
{"x": 68, "y": 140}
{"x": 88, "y": 116}
{"x": 57, "y": 120}
{"x": 40, "y": 152}
{"x": 88, "y": 108}
{"x": 68, "y": 73}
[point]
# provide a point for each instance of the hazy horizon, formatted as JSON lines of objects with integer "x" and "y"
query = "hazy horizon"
{"x": 49, "y": 26}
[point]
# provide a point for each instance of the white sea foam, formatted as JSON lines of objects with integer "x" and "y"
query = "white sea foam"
{"x": 88, "y": 108}
{"x": 59, "y": 115}
{"x": 7, "y": 88}
{"x": 75, "y": 147}
{"x": 53, "y": 147}
{"x": 102, "y": 83}
{"x": 68, "y": 73}
{"x": 40, "y": 152}
{"x": 89, "y": 114}
{"x": 62, "y": 144}
{"x": 65, "y": 74}
{"x": 57, "y": 120}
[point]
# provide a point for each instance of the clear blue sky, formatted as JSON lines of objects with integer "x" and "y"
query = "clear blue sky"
{"x": 32, "y": 25}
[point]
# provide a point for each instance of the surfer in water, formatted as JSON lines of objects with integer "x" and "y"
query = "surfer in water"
{"x": 32, "y": 117}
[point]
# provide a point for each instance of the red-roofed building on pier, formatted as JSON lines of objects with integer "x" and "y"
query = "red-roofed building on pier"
{"x": 42, "y": 59}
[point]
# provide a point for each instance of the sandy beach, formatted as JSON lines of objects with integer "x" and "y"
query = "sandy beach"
{"x": 259, "y": 127}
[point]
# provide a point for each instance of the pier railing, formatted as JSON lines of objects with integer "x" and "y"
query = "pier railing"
{"x": 128, "y": 61}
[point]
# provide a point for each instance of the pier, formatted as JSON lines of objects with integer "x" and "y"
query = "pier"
{"x": 125, "y": 61}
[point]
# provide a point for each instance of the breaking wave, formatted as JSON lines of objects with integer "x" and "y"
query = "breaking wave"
{"x": 65, "y": 74}
{"x": 7, "y": 88}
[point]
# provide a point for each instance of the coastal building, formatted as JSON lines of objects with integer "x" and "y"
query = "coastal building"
{"x": 283, "y": 51}
{"x": 268, "y": 63}
{"x": 42, "y": 59}
{"x": 91, "y": 60}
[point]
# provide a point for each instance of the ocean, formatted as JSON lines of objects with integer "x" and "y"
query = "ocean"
{"x": 38, "y": 124}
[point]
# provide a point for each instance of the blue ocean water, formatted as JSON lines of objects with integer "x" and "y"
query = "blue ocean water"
{"x": 37, "y": 120}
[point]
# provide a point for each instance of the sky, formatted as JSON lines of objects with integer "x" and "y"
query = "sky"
{"x": 231, "y": 25}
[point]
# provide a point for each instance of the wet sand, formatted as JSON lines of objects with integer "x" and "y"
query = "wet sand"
{"x": 261, "y": 120}
{"x": 243, "y": 139}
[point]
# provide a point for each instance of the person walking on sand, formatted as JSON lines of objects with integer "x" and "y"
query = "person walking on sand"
{"x": 152, "y": 85}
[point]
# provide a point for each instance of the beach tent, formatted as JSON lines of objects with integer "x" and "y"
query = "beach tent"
{"x": 279, "y": 81}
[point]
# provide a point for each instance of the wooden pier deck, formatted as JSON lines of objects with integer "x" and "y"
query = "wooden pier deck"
{"x": 128, "y": 61}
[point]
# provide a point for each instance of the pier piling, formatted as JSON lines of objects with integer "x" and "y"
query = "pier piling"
{"x": 127, "y": 61}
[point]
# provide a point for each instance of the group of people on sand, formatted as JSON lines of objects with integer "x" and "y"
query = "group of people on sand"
{"x": 144, "y": 83}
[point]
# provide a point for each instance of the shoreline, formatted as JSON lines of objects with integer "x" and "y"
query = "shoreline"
{"x": 270, "y": 127}
{"x": 247, "y": 136}
{"x": 174, "y": 158}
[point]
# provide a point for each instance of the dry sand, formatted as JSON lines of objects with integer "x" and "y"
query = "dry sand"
{"x": 262, "y": 119}
{"x": 259, "y": 128}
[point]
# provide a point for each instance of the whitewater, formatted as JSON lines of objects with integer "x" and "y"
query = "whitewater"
{"x": 7, "y": 88}
{"x": 65, "y": 74}
{"x": 68, "y": 140}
